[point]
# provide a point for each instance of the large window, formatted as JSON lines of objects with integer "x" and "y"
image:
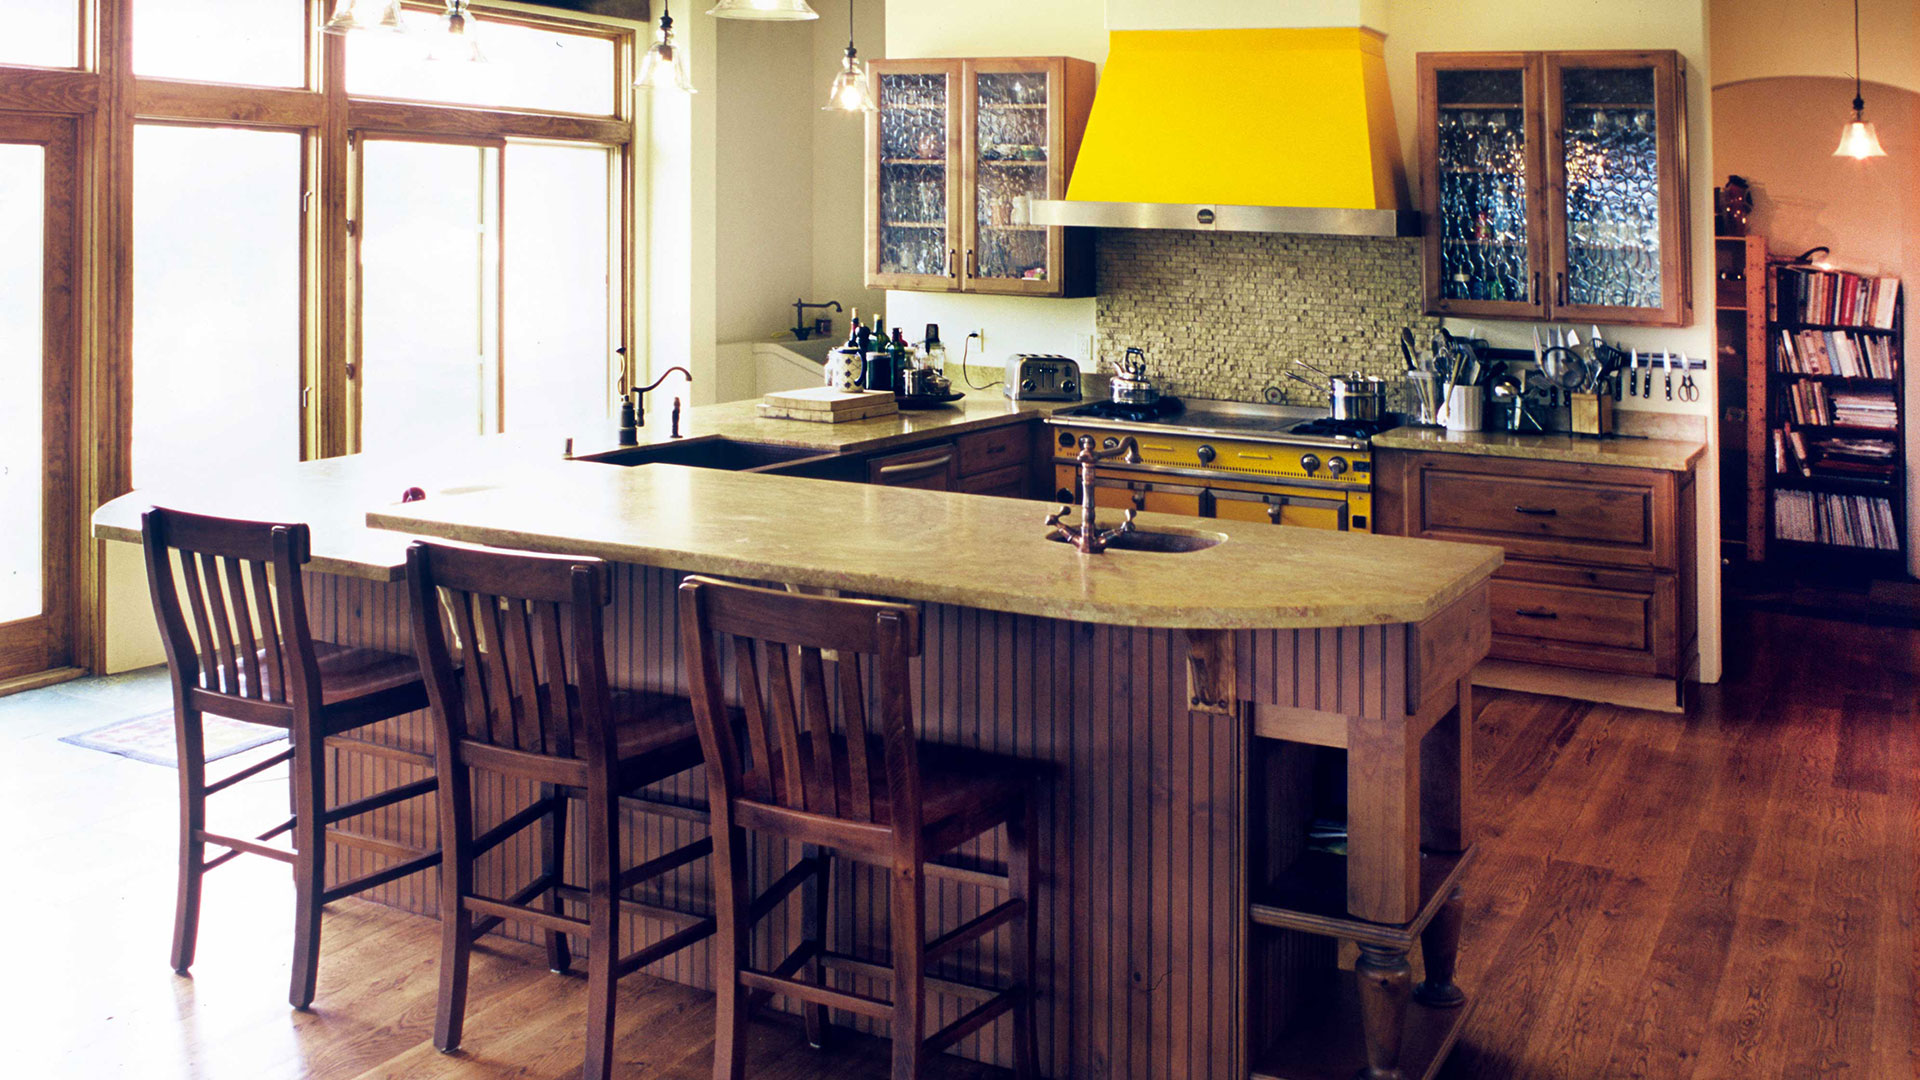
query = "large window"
{"x": 22, "y": 296}
{"x": 216, "y": 298}
{"x": 41, "y": 33}
{"x": 251, "y": 42}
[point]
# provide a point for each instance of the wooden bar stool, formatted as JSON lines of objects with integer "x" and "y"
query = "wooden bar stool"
{"x": 527, "y": 699}
{"x": 250, "y": 657}
{"x": 864, "y": 790}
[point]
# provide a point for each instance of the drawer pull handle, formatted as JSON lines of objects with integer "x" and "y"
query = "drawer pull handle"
{"x": 1536, "y": 613}
{"x": 1536, "y": 511}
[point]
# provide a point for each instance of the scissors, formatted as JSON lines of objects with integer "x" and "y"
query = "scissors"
{"x": 1688, "y": 391}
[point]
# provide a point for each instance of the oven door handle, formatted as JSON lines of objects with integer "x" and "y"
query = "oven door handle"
{"x": 1276, "y": 500}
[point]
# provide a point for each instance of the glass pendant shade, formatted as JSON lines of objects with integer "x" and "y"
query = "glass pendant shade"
{"x": 850, "y": 92}
{"x": 365, "y": 15}
{"x": 453, "y": 38}
{"x": 1859, "y": 141}
{"x": 665, "y": 65}
{"x": 764, "y": 10}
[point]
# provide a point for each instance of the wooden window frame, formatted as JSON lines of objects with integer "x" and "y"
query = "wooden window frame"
{"x": 107, "y": 100}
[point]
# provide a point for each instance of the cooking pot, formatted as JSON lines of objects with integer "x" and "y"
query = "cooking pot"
{"x": 1357, "y": 397}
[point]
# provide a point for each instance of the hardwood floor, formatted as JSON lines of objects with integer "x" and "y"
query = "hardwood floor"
{"x": 1726, "y": 894}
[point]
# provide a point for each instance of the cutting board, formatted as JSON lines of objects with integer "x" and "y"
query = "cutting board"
{"x": 828, "y": 405}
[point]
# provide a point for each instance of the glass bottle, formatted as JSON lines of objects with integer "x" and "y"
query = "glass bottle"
{"x": 936, "y": 352}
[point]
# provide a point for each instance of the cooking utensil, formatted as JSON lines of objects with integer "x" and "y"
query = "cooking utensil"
{"x": 1668, "y": 358}
{"x": 1688, "y": 390}
{"x": 1357, "y": 397}
{"x": 1407, "y": 348}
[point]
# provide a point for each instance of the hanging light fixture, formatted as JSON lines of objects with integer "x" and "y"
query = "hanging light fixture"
{"x": 452, "y": 38}
{"x": 850, "y": 92}
{"x": 665, "y": 66}
{"x": 1858, "y": 140}
{"x": 764, "y": 10}
{"x": 365, "y": 15}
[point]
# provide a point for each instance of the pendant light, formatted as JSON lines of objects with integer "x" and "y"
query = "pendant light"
{"x": 764, "y": 10}
{"x": 1858, "y": 140}
{"x": 665, "y": 66}
{"x": 850, "y": 92}
{"x": 452, "y": 38}
{"x": 365, "y": 15}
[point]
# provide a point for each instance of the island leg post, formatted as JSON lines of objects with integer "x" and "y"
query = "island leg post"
{"x": 1386, "y": 980}
{"x": 1439, "y": 947}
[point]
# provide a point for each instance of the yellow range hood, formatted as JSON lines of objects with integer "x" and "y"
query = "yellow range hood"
{"x": 1269, "y": 130}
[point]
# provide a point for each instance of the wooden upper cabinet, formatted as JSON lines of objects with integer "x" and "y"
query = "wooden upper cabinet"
{"x": 955, "y": 155}
{"x": 1554, "y": 186}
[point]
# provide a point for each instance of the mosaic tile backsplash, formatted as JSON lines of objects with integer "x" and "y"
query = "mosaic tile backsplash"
{"x": 1223, "y": 315}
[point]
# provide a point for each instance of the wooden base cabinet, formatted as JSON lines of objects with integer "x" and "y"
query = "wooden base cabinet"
{"x": 1600, "y": 559}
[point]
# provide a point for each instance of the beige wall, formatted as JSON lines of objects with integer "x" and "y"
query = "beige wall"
{"x": 1762, "y": 39}
{"x": 839, "y": 162}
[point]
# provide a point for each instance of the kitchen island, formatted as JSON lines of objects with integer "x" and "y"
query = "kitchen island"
{"x": 1186, "y": 929}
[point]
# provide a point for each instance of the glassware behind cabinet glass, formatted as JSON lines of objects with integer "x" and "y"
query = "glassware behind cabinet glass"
{"x": 1013, "y": 162}
{"x": 1481, "y": 147}
{"x": 1613, "y": 187}
{"x": 913, "y": 174}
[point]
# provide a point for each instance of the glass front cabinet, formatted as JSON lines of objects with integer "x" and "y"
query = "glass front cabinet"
{"x": 1553, "y": 186}
{"x": 956, "y": 153}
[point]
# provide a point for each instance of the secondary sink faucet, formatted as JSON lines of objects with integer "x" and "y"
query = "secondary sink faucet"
{"x": 1087, "y": 536}
{"x": 802, "y": 329}
{"x": 640, "y": 394}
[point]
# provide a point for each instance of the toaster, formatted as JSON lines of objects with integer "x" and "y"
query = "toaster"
{"x": 1042, "y": 377}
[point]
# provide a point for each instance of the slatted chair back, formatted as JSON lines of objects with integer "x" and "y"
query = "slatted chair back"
{"x": 249, "y": 643}
{"x": 776, "y": 640}
{"x": 527, "y": 676}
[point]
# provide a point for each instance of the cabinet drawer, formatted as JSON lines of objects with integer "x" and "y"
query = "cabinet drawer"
{"x": 1010, "y": 482}
{"x": 1608, "y": 516}
{"x": 930, "y": 467}
{"x": 983, "y": 451}
{"x": 1579, "y": 616}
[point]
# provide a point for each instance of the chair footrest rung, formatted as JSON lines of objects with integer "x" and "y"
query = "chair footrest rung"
{"x": 251, "y": 847}
{"x": 653, "y": 868}
{"x": 764, "y": 904}
{"x": 546, "y": 920}
{"x": 385, "y": 798}
{"x": 663, "y": 948}
{"x": 816, "y": 995}
{"x": 979, "y": 926}
{"x": 504, "y": 831}
{"x": 381, "y": 877}
{"x": 247, "y": 773}
{"x": 883, "y": 970}
{"x": 355, "y": 745}
{"x": 975, "y": 1019}
{"x": 376, "y": 844}
{"x": 642, "y": 908}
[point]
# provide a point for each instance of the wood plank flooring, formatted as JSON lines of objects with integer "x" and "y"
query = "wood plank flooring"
{"x": 1725, "y": 894}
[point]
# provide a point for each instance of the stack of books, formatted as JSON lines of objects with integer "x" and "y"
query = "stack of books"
{"x": 1802, "y": 294}
{"x": 1871, "y": 460}
{"x": 1816, "y": 403}
{"x": 1834, "y": 352}
{"x": 1856, "y": 521}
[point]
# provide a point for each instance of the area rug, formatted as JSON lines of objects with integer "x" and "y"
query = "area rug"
{"x": 150, "y": 738}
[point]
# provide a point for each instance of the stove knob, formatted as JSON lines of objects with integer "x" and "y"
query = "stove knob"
{"x": 1109, "y": 443}
{"x": 1336, "y": 465}
{"x": 1206, "y": 454}
{"x": 1309, "y": 462}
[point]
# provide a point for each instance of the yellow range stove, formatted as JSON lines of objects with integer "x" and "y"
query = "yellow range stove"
{"x": 1275, "y": 463}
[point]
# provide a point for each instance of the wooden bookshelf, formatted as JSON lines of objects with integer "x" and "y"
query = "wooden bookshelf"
{"x": 1828, "y": 495}
{"x": 1740, "y": 314}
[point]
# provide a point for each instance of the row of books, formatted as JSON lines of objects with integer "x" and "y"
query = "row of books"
{"x": 1831, "y": 297}
{"x": 1817, "y": 403}
{"x": 1834, "y": 352}
{"x": 1794, "y": 454}
{"x": 1858, "y": 521}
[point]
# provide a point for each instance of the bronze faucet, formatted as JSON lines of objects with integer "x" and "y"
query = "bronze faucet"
{"x": 1087, "y": 536}
{"x": 640, "y": 393}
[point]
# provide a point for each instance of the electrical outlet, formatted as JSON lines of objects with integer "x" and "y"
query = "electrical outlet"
{"x": 980, "y": 339}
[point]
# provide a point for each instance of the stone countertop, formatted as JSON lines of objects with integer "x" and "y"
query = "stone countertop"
{"x": 333, "y": 494}
{"x": 1672, "y": 455}
{"x": 965, "y": 550}
{"x": 741, "y": 420}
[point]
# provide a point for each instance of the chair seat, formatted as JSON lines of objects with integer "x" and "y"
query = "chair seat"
{"x": 348, "y": 673}
{"x": 954, "y": 780}
{"x": 654, "y": 736}
{"x": 357, "y": 685}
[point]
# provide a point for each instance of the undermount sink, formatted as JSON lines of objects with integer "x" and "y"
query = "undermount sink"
{"x": 1166, "y": 543}
{"x": 727, "y": 454}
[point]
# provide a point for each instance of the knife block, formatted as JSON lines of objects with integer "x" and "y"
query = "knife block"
{"x": 1590, "y": 414}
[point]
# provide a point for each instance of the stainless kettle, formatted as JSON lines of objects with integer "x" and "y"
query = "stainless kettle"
{"x": 1131, "y": 385}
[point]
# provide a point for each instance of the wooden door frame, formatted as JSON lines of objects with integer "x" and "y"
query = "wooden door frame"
{"x": 52, "y": 640}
